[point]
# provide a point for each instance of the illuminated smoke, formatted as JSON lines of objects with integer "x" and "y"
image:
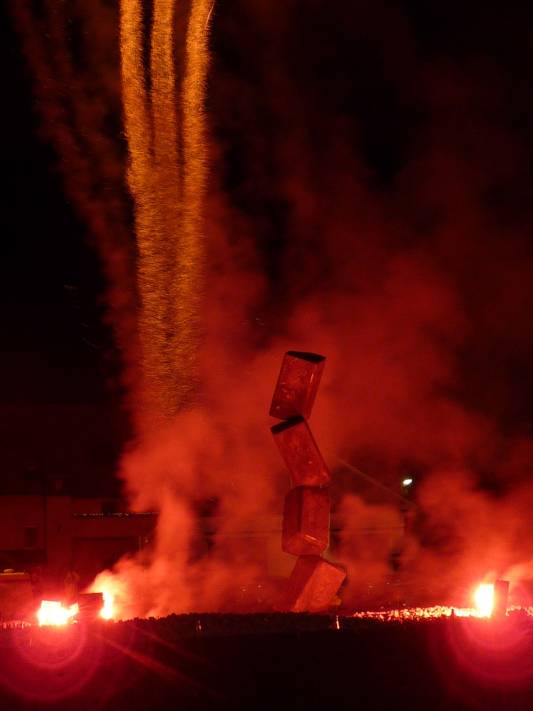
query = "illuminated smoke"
{"x": 399, "y": 286}
{"x": 74, "y": 104}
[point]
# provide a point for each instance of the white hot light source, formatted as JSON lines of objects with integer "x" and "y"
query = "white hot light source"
{"x": 108, "y": 610}
{"x": 52, "y": 612}
{"x": 484, "y": 599}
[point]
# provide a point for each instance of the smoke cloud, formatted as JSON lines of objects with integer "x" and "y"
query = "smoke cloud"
{"x": 367, "y": 201}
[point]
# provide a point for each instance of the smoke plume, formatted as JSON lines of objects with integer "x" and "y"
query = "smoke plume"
{"x": 367, "y": 200}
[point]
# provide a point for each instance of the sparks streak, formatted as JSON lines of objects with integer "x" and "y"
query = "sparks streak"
{"x": 152, "y": 271}
{"x": 169, "y": 218}
{"x": 166, "y": 206}
{"x": 190, "y": 257}
{"x": 108, "y": 610}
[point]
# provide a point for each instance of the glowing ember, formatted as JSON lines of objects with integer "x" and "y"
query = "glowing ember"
{"x": 416, "y": 613}
{"x": 107, "y": 612}
{"x": 484, "y": 599}
{"x": 52, "y": 612}
{"x": 406, "y": 614}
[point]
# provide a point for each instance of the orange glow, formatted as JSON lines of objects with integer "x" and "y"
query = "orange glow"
{"x": 168, "y": 214}
{"x": 52, "y": 612}
{"x": 108, "y": 610}
{"x": 416, "y": 613}
{"x": 484, "y": 599}
{"x": 190, "y": 255}
{"x": 153, "y": 269}
{"x": 112, "y": 592}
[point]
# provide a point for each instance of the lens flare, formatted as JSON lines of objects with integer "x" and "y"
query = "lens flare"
{"x": 52, "y": 612}
{"x": 484, "y": 599}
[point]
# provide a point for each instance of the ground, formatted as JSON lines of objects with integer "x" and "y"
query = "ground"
{"x": 270, "y": 661}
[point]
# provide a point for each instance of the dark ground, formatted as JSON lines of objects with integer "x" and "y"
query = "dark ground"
{"x": 271, "y": 661}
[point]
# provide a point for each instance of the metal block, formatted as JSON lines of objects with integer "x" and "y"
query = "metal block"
{"x": 313, "y": 584}
{"x": 300, "y": 452}
{"x": 297, "y": 385}
{"x": 306, "y": 521}
{"x": 501, "y": 595}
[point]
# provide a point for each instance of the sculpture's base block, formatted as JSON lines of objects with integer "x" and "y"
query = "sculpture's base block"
{"x": 314, "y": 584}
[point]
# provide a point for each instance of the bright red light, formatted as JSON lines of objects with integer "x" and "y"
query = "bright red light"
{"x": 108, "y": 610}
{"x": 52, "y": 612}
{"x": 484, "y": 599}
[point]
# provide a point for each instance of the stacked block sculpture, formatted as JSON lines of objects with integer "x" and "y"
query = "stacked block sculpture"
{"x": 314, "y": 581}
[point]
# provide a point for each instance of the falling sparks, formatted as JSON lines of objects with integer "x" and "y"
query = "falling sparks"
{"x": 190, "y": 259}
{"x": 168, "y": 195}
{"x": 53, "y": 613}
{"x": 165, "y": 208}
{"x": 152, "y": 271}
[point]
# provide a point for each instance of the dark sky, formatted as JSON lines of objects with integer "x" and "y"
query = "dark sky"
{"x": 60, "y": 411}
{"x": 372, "y": 64}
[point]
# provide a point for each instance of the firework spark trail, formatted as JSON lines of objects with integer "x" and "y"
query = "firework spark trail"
{"x": 75, "y": 133}
{"x": 152, "y": 269}
{"x": 168, "y": 219}
{"x": 191, "y": 249}
{"x": 166, "y": 178}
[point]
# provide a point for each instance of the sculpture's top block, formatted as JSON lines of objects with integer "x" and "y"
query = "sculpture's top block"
{"x": 313, "y": 584}
{"x": 297, "y": 385}
{"x": 302, "y": 355}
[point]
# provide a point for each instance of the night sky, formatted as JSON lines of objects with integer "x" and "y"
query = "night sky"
{"x": 388, "y": 81}
{"x": 61, "y": 413}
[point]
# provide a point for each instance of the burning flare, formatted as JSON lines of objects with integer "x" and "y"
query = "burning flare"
{"x": 484, "y": 599}
{"x": 111, "y": 590}
{"x": 52, "y": 612}
{"x": 108, "y": 610}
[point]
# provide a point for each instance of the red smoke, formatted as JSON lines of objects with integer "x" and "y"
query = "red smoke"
{"x": 367, "y": 202}
{"x": 77, "y": 98}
